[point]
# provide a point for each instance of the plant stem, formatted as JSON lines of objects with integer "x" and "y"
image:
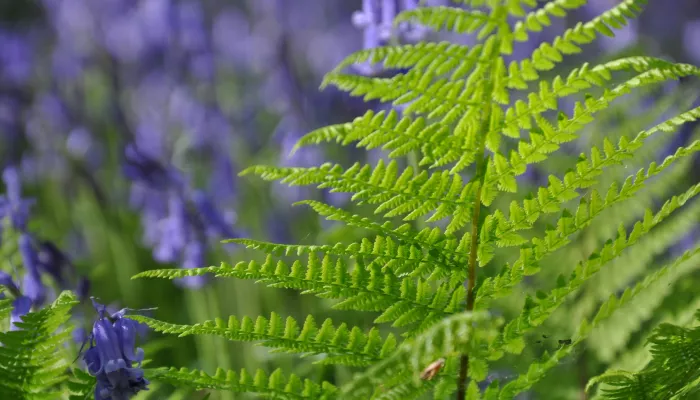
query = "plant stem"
{"x": 464, "y": 359}
{"x": 481, "y": 163}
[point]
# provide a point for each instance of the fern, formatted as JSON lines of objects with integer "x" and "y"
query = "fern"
{"x": 671, "y": 374}
{"x": 452, "y": 231}
{"x": 32, "y": 362}
{"x": 276, "y": 385}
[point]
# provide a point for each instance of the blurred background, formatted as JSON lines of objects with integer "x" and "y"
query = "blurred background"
{"x": 124, "y": 124}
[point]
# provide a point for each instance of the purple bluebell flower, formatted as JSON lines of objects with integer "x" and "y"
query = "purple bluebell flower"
{"x": 20, "y": 307}
{"x": 388, "y": 14}
{"x": 112, "y": 357}
{"x": 32, "y": 286}
{"x": 12, "y": 205}
{"x": 15, "y": 58}
{"x": 212, "y": 218}
{"x": 139, "y": 167}
{"x": 7, "y": 281}
{"x": 191, "y": 30}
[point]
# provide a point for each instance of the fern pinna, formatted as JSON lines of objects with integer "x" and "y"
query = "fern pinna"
{"x": 469, "y": 265}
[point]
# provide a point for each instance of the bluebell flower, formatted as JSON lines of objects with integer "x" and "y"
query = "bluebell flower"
{"x": 213, "y": 219}
{"x": 112, "y": 357}
{"x": 20, "y": 307}
{"x": 32, "y": 286}
{"x": 15, "y": 58}
{"x": 12, "y": 205}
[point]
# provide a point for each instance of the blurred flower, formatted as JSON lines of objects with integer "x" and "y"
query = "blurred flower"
{"x": 112, "y": 355}
{"x": 177, "y": 219}
{"x": 37, "y": 256}
{"x": 20, "y": 307}
{"x": 12, "y": 205}
{"x": 32, "y": 286}
{"x": 16, "y": 57}
{"x": 691, "y": 40}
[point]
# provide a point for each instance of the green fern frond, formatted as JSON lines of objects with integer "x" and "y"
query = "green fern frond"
{"x": 447, "y": 338}
{"x": 538, "y": 369}
{"x": 527, "y": 263}
{"x": 547, "y": 54}
{"x": 5, "y": 306}
{"x": 535, "y": 21}
{"x": 453, "y": 19}
{"x": 404, "y": 301}
{"x": 32, "y": 363}
{"x": 673, "y": 372}
{"x": 611, "y": 337}
{"x": 274, "y": 386}
{"x": 536, "y": 311}
{"x": 401, "y": 259}
{"x": 406, "y": 193}
{"x": 342, "y": 345}
{"x": 550, "y": 199}
{"x": 438, "y": 147}
{"x": 432, "y": 239}
{"x": 81, "y": 385}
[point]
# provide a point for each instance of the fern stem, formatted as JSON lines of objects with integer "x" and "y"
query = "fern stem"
{"x": 480, "y": 177}
{"x": 464, "y": 359}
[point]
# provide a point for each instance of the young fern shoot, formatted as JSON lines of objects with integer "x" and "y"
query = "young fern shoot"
{"x": 476, "y": 123}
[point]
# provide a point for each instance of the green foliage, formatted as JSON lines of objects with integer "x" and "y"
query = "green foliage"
{"x": 32, "y": 360}
{"x": 343, "y": 345}
{"x": 275, "y": 386}
{"x": 456, "y": 237}
{"x": 673, "y": 373}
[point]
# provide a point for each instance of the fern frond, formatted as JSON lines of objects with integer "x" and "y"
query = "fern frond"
{"x": 31, "y": 361}
{"x": 432, "y": 59}
{"x": 527, "y": 263}
{"x": 5, "y": 306}
{"x": 342, "y": 344}
{"x": 403, "y": 301}
{"x": 671, "y": 374}
{"x": 456, "y": 20}
{"x": 275, "y": 386}
{"x": 612, "y": 336}
{"x": 401, "y": 259}
{"x": 501, "y": 171}
{"x": 546, "y": 56}
{"x": 433, "y": 240}
{"x": 628, "y": 268}
{"x": 538, "y": 369}
{"x": 393, "y": 192}
{"x": 550, "y": 199}
{"x": 534, "y": 21}
{"x": 449, "y": 337}
{"x": 81, "y": 385}
{"x": 536, "y": 311}
{"x": 438, "y": 147}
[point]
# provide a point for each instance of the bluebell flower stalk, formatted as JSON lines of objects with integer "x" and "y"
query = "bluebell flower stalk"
{"x": 113, "y": 358}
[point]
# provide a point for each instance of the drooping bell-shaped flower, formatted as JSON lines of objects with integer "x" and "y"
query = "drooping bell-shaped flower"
{"x": 112, "y": 357}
